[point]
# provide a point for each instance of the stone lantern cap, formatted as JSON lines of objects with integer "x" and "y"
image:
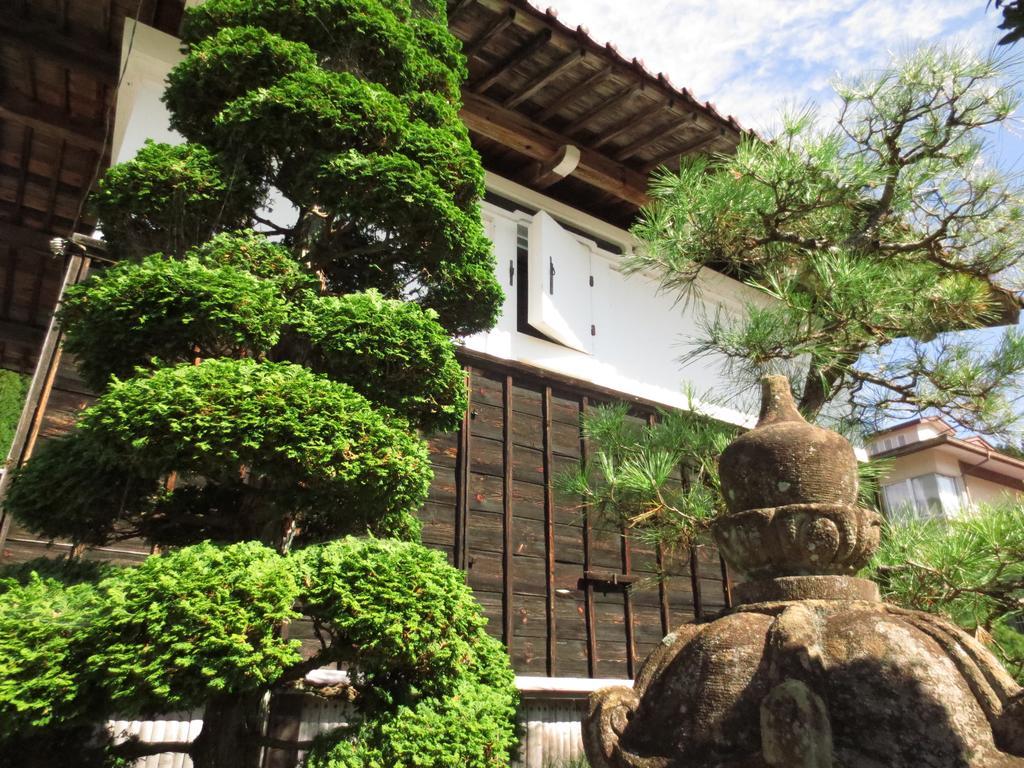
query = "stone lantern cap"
{"x": 810, "y": 669}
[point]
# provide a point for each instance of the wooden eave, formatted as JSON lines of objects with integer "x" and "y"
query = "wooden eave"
{"x": 537, "y": 86}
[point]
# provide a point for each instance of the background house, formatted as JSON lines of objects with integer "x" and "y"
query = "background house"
{"x": 937, "y": 474}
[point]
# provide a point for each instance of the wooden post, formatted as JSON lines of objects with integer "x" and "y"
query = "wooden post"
{"x": 459, "y": 556}
{"x": 506, "y": 508}
{"x": 588, "y": 588}
{"x": 666, "y": 614}
{"x": 31, "y": 420}
{"x": 549, "y": 532}
{"x": 698, "y": 607}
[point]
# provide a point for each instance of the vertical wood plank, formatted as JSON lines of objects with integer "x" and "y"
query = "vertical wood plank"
{"x": 459, "y": 556}
{"x": 726, "y": 582}
{"x": 506, "y": 544}
{"x": 588, "y": 591}
{"x": 627, "y": 606}
{"x": 663, "y": 604}
{"x": 698, "y": 607}
{"x": 666, "y": 614}
{"x": 549, "y": 532}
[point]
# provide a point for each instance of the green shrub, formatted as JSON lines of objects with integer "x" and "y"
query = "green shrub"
{"x": 439, "y": 691}
{"x": 160, "y": 311}
{"x": 392, "y": 352}
{"x": 168, "y": 198}
{"x": 183, "y": 627}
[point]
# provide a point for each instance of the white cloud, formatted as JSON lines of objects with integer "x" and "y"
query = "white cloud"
{"x": 751, "y": 56}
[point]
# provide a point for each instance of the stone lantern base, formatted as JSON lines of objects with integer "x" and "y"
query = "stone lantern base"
{"x": 813, "y": 683}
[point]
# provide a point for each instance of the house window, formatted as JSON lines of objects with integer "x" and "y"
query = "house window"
{"x": 924, "y": 497}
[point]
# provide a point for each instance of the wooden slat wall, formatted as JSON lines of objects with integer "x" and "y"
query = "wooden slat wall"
{"x": 526, "y": 549}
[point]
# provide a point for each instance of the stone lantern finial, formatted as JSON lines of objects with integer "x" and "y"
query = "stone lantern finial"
{"x": 810, "y": 669}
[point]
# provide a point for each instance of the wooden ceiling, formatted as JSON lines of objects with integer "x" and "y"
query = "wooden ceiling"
{"x": 59, "y": 64}
{"x": 536, "y": 88}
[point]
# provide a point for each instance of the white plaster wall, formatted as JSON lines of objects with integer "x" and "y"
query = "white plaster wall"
{"x": 986, "y": 492}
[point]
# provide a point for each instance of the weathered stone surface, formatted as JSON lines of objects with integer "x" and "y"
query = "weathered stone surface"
{"x": 881, "y": 685}
{"x": 798, "y": 539}
{"x": 810, "y": 670}
{"x": 805, "y": 588}
{"x": 785, "y": 460}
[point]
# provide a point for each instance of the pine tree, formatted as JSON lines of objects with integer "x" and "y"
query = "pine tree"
{"x": 263, "y": 388}
{"x": 879, "y": 240}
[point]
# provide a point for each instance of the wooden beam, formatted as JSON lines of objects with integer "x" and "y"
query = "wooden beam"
{"x": 523, "y": 52}
{"x": 692, "y": 146}
{"x": 516, "y": 131}
{"x": 663, "y": 603}
{"x": 549, "y": 533}
{"x": 457, "y": 8}
{"x": 38, "y": 392}
{"x": 612, "y": 102}
{"x": 26, "y": 158}
{"x": 543, "y": 175}
{"x": 52, "y": 121}
{"x": 506, "y": 19}
{"x": 563, "y": 64}
{"x": 51, "y": 206}
{"x": 569, "y": 97}
{"x": 627, "y": 605}
{"x": 630, "y": 123}
{"x": 25, "y": 238}
{"x": 726, "y": 582}
{"x": 10, "y": 272}
{"x": 74, "y": 52}
{"x": 650, "y": 137}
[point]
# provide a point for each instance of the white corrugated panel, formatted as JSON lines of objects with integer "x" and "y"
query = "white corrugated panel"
{"x": 550, "y": 728}
{"x": 177, "y": 726}
{"x": 551, "y": 733}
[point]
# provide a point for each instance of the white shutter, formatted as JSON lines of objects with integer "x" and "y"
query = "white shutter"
{"x": 559, "y": 291}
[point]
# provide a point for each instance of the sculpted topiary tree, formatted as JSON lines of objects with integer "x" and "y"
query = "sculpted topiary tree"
{"x": 264, "y": 380}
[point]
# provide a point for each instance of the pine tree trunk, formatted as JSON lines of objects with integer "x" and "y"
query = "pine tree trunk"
{"x": 231, "y": 725}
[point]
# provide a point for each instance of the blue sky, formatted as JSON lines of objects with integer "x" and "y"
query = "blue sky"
{"x": 752, "y": 57}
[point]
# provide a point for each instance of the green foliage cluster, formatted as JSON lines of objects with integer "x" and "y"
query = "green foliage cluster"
{"x": 161, "y": 311}
{"x": 875, "y": 241}
{"x": 660, "y": 478}
{"x": 271, "y": 441}
{"x": 13, "y": 388}
{"x": 391, "y": 351}
{"x": 971, "y": 569}
{"x": 435, "y": 689}
{"x": 169, "y": 198}
{"x": 263, "y": 388}
{"x": 185, "y": 627}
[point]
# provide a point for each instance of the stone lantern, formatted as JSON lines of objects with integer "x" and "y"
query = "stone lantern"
{"x": 810, "y": 669}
